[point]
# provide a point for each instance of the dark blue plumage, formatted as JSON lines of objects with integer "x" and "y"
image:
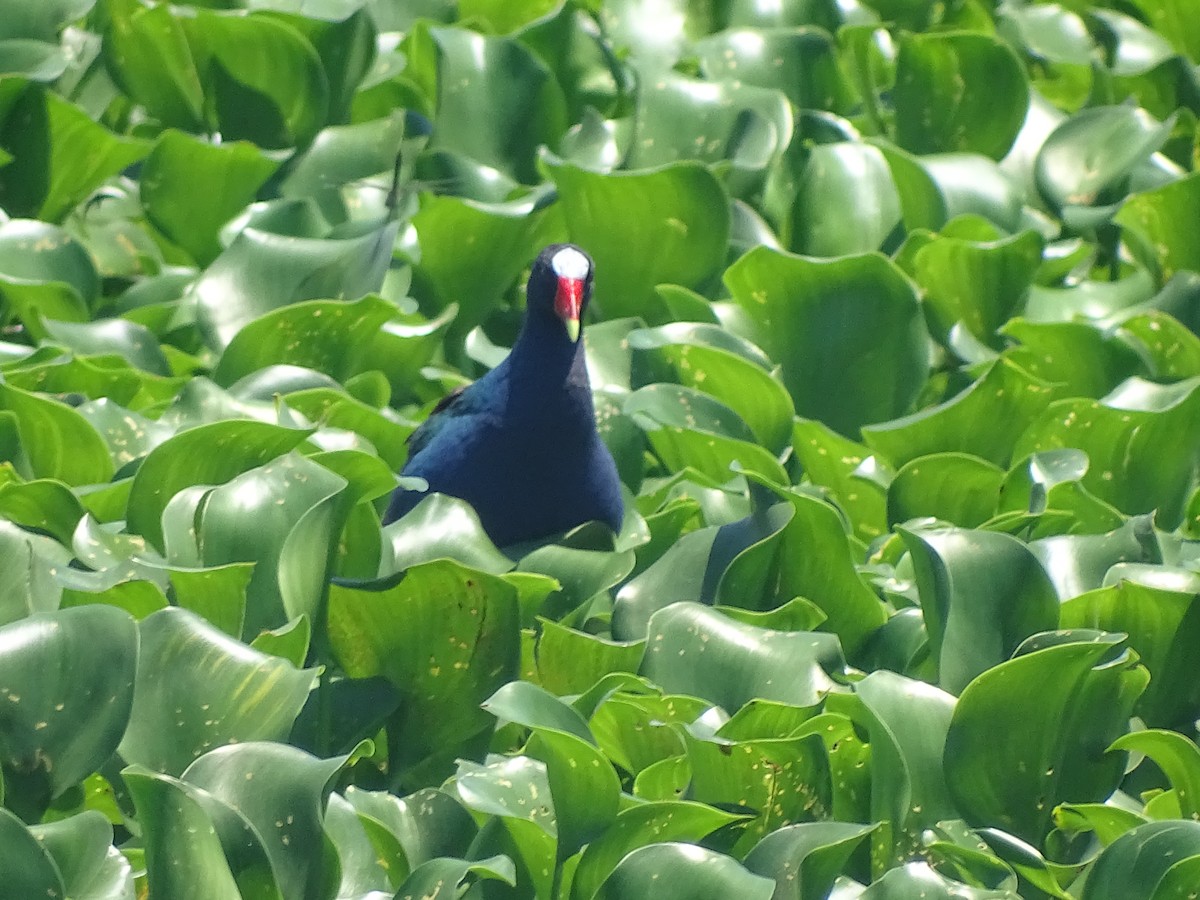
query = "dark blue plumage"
{"x": 520, "y": 444}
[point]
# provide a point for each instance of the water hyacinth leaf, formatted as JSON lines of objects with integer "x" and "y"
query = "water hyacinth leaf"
{"x": 920, "y": 881}
{"x": 29, "y": 868}
{"x": 808, "y": 315}
{"x": 147, "y": 52}
{"x": 1171, "y": 349}
{"x": 712, "y": 360}
{"x": 801, "y": 62}
{"x": 445, "y": 659}
{"x": 516, "y": 791}
{"x": 207, "y": 454}
{"x": 694, "y": 873}
{"x": 68, "y": 681}
{"x": 261, "y": 271}
{"x": 761, "y": 574}
{"x": 785, "y": 779}
{"x": 907, "y": 722}
{"x": 1117, "y": 432}
{"x": 836, "y": 464}
{"x": 195, "y": 843}
{"x": 806, "y": 858}
{"x": 1157, "y": 859}
{"x": 698, "y": 651}
{"x": 727, "y": 122}
{"x": 583, "y": 783}
{"x": 985, "y": 420}
{"x": 640, "y": 826}
{"x": 1052, "y": 481}
{"x": 221, "y": 691}
{"x": 570, "y": 661}
{"x": 1161, "y": 622}
{"x": 37, "y": 253}
{"x": 1091, "y": 154}
{"x": 442, "y": 527}
{"x": 953, "y": 487}
{"x": 259, "y": 63}
{"x": 501, "y": 239}
{"x": 323, "y": 335}
{"x": 60, "y": 155}
{"x": 1039, "y": 756}
{"x": 1081, "y": 562}
{"x": 191, "y": 188}
{"x": 1178, "y": 758}
{"x": 44, "y": 505}
{"x": 979, "y": 284}
{"x": 496, "y": 101}
{"x": 82, "y": 849}
{"x": 1153, "y": 226}
{"x": 279, "y": 790}
{"x": 663, "y": 226}
{"x": 1081, "y": 356}
{"x": 688, "y": 429}
{"x": 446, "y": 879}
{"x": 982, "y": 594}
{"x": 286, "y": 517}
{"x": 958, "y": 91}
{"x": 846, "y": 202}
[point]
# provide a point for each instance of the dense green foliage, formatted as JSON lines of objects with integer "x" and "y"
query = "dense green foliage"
{"x": 894, "y": 340}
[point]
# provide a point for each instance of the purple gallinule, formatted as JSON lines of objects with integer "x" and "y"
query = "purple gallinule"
{"x": 520, "y": 444}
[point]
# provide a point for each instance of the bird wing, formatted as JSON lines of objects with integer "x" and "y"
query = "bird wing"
{"x": 460, "y": 402}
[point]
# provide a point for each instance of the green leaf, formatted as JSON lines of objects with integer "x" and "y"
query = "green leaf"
{"x": 194, "y": 844}
{"x": 805, "y": 859}
{"x": 953, "y": 487}
{"x": 845, "y": 202}
{"x": 189, "y": 459}
{"x": 147, "y": 52}
{"x": 1089, "y": 158}
{"x": 500, "y": 239}
{"x": 982, "y": 593}
{"x": 444, "y": 635}
{"x": 1153, "y": 223}
{"x": 663, "y": 226}
{"x": 1140, "y": 440}
{"x": 279, "y": 790}
{"x": 190, "y": 188}
{"x": 1162, "y": 619}
{"x": 958, "y": 91}
{"x": 1009, "y": 763}
{"x": 29, "y": 869}
{"x": 690, "y": 872}
{"x": 37, "y": 253}
{"x": 497, "y": 102}
{"x": 262, "y": 271}
{"x": 640, "y": 826}
{"x": 1154, "y": 860}
{"x": 907, "y": 723}
{"x": 54, "y": 667}
{"x": 220, "y": 692}
{"x": 698, "y": 651}
{"x": 809, "y": 316}
{"x": 324, "y": 335}
{"x": 986, "y": 420}
{"x": 263, "y": 81}
{"x": 60, "y": 156}
{"x": 976, "y": 284}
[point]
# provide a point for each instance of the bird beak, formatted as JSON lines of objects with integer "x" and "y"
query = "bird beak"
{"x": 568, "y": 304}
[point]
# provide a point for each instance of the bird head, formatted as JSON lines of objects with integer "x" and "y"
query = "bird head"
{"x": 561, "y": 284}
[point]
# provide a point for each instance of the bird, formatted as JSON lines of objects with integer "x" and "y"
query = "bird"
{"x": 520, "y": 444}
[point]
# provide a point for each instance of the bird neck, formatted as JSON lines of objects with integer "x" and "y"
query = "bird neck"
{"x": 546, "y": 364}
